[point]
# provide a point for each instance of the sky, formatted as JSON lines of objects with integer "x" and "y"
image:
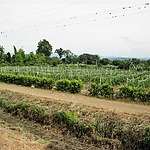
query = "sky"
{"x": 105, "y": 27}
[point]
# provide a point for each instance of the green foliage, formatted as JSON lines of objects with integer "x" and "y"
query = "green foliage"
{"x": 27, "y": 80}
{"x": 105, "y": 61}
{"x": 44, "y": 47}
{"x": 66, "y": 118}
{"x": 60, "y": 52}
{"x": 104, "y": 90}
{"x": 26, "y": 110}
{"x": 75, "y": 86}
{"x": 63, "y": 85}
{"x": 144, "y": 143}
{"x": 94, "y": 89}
{"x": 73, "y": 125}
{"x": 134, "y": 93}
{"x": 88, "y": 59}
{"x": 72, "y": 86}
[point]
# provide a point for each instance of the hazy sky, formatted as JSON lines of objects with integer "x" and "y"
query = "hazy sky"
{"x": 104, "y": 27}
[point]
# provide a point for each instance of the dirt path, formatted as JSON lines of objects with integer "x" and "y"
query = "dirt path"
{"x": 80, "y": 99}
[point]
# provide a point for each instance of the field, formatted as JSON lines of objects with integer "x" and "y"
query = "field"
{"x": 63, "y": 121}
{"x": 59, "y": 125}
{"x": 86, "y": 73}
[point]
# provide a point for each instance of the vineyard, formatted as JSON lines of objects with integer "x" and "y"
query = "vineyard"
{"x": 87, "y": 74}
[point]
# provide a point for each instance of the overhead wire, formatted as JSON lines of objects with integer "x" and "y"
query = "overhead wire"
{"x": 82, "y": 19}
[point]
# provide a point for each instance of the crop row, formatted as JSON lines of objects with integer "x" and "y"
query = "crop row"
{"x": 75, "y": 86}
{"x": 124, "y": 92}
{"x": 72, "y": 86}
{"x": 89, "y": 74}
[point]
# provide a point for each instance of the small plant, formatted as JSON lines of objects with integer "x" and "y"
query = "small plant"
{"x": 66, "y": 118}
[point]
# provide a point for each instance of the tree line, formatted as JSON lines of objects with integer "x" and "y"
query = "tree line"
{"x": 44, "y": 53}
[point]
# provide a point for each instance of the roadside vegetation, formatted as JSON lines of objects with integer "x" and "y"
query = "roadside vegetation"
{"x": 103, "y": 130}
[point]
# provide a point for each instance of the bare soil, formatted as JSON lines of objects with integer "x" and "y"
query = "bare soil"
{"x": 110, "y": 105}
{"x": 13, "y": 140}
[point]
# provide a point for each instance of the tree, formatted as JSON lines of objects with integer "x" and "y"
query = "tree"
{"x": 20, "y": 57}
{"x": 8, "y": 58}
{"x": 116, "y": 62}
{"x": 135, "y": 61}
{"x": 1, "y": 54}
{"x": 105, "y": 61}
{"x": 44, "y": 47}
{"x": 60, "y": 52}
{"x": 30, "y": 59}
{"x": 124, "y": 64}
{"x": 70, "y": 57}
{"x": 88, "y": 59}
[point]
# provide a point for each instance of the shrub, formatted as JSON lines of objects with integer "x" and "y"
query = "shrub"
{"x": 67, "y": 118}
{"x": 144, "y": 144}
{"x": 134, "y": 93}
{"x": 94, "y": 89}
{"x": 27, "y": 80}
{"x": 106, "y": 90}
{"x": 75, "y": 86}
{"x": 63, "y": 85}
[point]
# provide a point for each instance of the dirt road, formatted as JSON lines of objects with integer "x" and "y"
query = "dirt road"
{"x": 80, "y": 99}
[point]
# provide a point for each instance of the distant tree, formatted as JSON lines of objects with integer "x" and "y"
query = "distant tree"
{"x": 105, "y": 61}
{"x": 124, "y": 64}
{"x": 116, "y": 62}
{"x": 70, "y": 57}
{"x": 88, "y": 59}
{"x": 20, "y": 57}
{"x": 44, "y": 47}
{"x": 148, "y": 61}
{"x": 55, "y": 61}
{"x": 30, "y": 59}
{"x": 15, "y": 50}
{"x": 8, "y": 57}
{"x": 135, "y": 61}
{"x": 41, "y": 59}
{"x": 60, "y": 52}
{"x": 1, "y": 54}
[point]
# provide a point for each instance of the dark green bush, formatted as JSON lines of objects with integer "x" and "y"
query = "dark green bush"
{"x": 94, "y": 89}
{"x": 134, "y": 93}
{"x": 106, "y": 90}
{"x": 27, "y": 80}
{"x": 63, "y": 85}
{"x": 75, "y": 86}
{"x": 144, "y": 144}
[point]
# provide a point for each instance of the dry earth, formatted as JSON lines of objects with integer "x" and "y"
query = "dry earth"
{"x": 13, "y": 140}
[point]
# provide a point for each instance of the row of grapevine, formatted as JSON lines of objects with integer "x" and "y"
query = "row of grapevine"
{"x": 89, "y": 74}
